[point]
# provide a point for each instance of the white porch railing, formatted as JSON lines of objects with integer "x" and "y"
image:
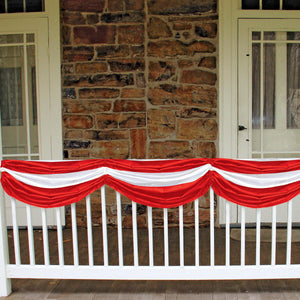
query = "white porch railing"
{"x": 139, "y": 272}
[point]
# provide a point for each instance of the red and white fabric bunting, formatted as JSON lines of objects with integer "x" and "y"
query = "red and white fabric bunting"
{"x": 156, "y": 183}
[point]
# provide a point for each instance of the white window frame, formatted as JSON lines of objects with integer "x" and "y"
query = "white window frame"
{"x": 229, "y": 14}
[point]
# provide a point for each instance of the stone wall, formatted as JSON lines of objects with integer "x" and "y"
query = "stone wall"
{"x": 139, "y": 80}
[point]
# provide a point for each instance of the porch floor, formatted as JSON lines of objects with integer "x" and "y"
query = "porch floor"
{"x": 112, "y": 289}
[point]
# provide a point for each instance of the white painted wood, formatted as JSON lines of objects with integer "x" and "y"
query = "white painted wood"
{"x": 273, "y": 251}
{"x": 289, "y": 233}
{"x": 166, "y": 237}
{"x": 104, "y": 226}
{"x": 5, "y": 281}
{"x": 59, "y": 238}
{"x": 258, "y": 221}
{"x": 89, "y": 230}
{"x": 74, "y": 235}
{"x": 15, "y": 231}
{"x": 150, "y": 236}
{"x": 181, "y": 236}
{"x": 120, "y": 235}
{"x": 212, "y": 227}
{"x": 135, "y": 235}
{"x": 197, "y": 259}
{"x": 154, "y": 273}
{"x": 45, "y": 237}
{"x": 30, "y": 235}
{"x": 243, "y": 236}
{"x": 227, "y": 235}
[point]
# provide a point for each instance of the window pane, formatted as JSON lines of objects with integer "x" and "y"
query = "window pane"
{"x": 34, "y": 5}
{"x": 293, "y": 86}
{"x": 250, "y": 4}
{"x": 291, "y": 4}
{"x": 270, "y": 4}
{"x": 14, "y": 6}
{"x": 2, "y": 6}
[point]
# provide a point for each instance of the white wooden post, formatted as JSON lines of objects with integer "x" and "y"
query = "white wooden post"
{"x": 5, "y": 283}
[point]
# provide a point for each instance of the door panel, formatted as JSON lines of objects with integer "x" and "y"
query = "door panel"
{"x": 269, "y": 95}
{"x": 25, "y": 100}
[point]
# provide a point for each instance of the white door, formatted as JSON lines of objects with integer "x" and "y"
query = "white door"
{"x": 24, "y": 97}
{"x": 269, "y": 96}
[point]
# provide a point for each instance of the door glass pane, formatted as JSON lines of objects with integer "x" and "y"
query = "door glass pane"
{"x": 34, "y": 5}
{"x": 32, "y": 98}
{"x": 269, "y": 86}
{"x": 256, "y": 86}
{"x": 11, "y": 38}
{"x": 291, "y": 4}
{"x": 14, "y": 6}
{"x": 270, "y": 4}
{"x": 294, "y": 36}
{"x": 256, "y": 35}
{"x": 2, "y": 6}
{"x": 250, "y": 4}
{"x": 18, "y": 101}
{"x": 13, "y": 118}
{"x": 293, "y": 86}
{"x": 269, "y": 35}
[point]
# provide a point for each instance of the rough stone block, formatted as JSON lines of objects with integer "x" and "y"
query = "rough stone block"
{"x": 127, "y": 65}
{"x": 91, "y": 68}
{"x": 86, "y": 106}
{"x": 208, "y": 30}
{"x": 132, "y": 120}
{"x": 208, "y": 62}
{"x": 138, "y": 139}
{"x": 98, "y": 93}
{"x": 170, "y": 149}
{"x": 199, "y": 129}
{"x": 107, "y": 120}
{"x": 110, "y": 149}
{"x": 183, "y": 95}
{"x": 198, "y": 77}
{"x": 206, "y": 149}
{"x": 83, "y": 5}
{"x": 78, "y": 122}
{"x": 132, "y": 93}
{"x": 161, "y": 70}
{"x": 103, "y": 34}
{"x": 75, "y": 54}
{"x": 161, "y": 123}
{"x": 112, "y": 51}
{"x": 131, "y": 34}
{"x": 157, "y": 28}
{"x": 129, "y": 105}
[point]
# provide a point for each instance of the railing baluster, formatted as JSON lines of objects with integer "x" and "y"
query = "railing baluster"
{"x": 196, "y": 203}
{"x": 273, "y": 251}
{"x": 243, "y": 235}
{"x": 59, "y": 238}
{"x": 16, "y": 231}
{"x": 289, "y": 233}
{"x": 258, "y": 220}
{"x": 104, "y": 226}
{"x": 181, "y": 236}
{"x": 89, "y": 230}
{"x": 30, "y": 235}
{"x": 166, "y": 237}
{"x": 212, "y": 229}
{"x": 227, "y": 234}
{"x": 150, "y": 236}
{"x": 120, "y": 236}
{"x": 135, "y": 235}
{"x": 74, "y": 235}
{"x": 45, "y": 237}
